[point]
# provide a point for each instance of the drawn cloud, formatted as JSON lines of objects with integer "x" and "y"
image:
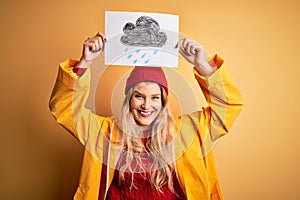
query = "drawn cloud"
{"x": 144, "y": 33}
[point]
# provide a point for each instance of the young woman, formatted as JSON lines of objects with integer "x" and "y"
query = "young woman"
{"x": 147, "y": 153}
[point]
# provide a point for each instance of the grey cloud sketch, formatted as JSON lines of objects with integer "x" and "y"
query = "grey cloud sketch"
{"x": 144, "y": 33}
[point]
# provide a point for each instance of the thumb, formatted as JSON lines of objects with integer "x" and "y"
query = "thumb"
{"x": 103, "y": 37}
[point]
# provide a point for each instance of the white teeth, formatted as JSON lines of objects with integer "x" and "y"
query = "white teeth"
{"x": 146, "y": 113}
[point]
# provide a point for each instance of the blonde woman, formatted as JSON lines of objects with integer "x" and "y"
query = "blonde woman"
{"x": 147, "y": 153}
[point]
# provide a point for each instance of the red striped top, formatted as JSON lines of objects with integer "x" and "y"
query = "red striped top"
{"x": 142, "y": 189}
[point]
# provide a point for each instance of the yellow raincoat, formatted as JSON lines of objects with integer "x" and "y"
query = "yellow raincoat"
{"x": 193, "y": 143}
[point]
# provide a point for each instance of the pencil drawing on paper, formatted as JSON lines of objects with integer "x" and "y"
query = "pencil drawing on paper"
{"x": 144, "y": 33}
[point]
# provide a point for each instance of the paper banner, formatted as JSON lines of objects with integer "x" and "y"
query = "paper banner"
{"x": 141, "y": 39}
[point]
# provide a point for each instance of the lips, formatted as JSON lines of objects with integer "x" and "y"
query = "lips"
{"x": 145, "y": 113}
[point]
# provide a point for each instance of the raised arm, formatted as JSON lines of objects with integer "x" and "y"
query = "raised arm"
{"x": 71, "y": 90}
{"x": 220, "y": 91}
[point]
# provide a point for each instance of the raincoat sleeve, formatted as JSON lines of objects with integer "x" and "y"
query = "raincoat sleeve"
{"x": 223, "y": 97}
{"x": 199, "y": 130}
{"x": 67, "y": 105}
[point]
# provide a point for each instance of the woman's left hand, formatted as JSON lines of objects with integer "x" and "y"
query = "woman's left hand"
{"x": 193, "y": 52}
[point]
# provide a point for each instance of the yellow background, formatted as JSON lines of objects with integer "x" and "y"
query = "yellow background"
{"x": 258, "y": 39}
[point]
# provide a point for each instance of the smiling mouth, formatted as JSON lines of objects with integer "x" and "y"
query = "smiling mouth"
{"x": 145, "y": 113}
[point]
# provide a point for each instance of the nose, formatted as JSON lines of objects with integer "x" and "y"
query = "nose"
{"x": 146, "y": 104}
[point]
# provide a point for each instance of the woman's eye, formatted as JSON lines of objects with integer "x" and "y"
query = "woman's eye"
{"x": 156, "y": 97}
{"x": 138, "y": 96}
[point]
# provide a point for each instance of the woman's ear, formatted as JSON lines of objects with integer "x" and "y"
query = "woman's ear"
{"x": 163, "y": 96}
{"x": 129, "y": 102}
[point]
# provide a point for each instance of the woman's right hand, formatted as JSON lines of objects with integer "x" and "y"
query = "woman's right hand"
{"x": 92, "y": 49}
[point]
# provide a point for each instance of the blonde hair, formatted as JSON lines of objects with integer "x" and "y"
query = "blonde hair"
{"x": 159, "y": 146}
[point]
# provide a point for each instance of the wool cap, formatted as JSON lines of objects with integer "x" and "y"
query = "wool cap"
{"x": 144, "y": 74}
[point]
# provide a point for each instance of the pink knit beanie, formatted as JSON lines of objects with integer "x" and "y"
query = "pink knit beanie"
{"x": 143, "y": 74}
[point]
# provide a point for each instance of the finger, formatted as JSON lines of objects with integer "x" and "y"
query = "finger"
{"x": 198, "y": 49}
{"x": 94, "y": 44}
{"x": 183, "y": 53}
{"x": 102, "y": 36}
{"x": 87, "y": 40}
{"x": 184, "y": 42}
{"x": 179, "y": 43}
{"x": 187, "y": 48}
{"x": 90, "y": 45}
{"x": 100, "y": 44}
{"x": 185, "y": 45}
{"x": 87, "y": 46}
{"x": 104, "y": 39}
{"x": 192, "y": 49}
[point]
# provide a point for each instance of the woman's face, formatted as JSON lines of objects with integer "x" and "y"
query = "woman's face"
{"x": 146, "y": 103}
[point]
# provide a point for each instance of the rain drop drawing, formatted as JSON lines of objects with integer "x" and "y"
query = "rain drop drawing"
{"x": 140, "y": 56}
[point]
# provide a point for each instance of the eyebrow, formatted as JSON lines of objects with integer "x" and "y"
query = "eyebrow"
{"x": 144, "y": 95}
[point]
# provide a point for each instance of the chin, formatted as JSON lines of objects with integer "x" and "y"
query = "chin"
{"x": 144, "y": 123}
